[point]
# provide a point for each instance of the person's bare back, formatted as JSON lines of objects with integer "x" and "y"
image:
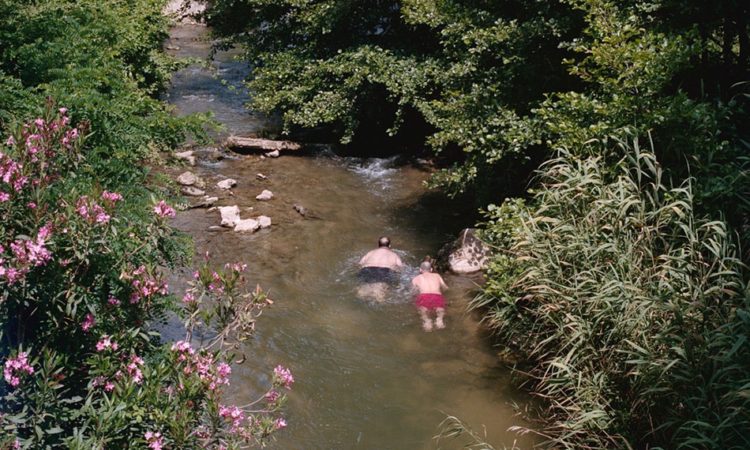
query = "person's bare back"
{"x": 381, "y": 257}
{"x": 430, "y": 287}
{"x": 377, "y": 270}
{"x": 429, "y": 283}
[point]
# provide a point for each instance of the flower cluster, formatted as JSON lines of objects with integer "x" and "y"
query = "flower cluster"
{"x": 35, "y": 150}
{"x": 27, "y": 253}
{"x": 282, "y": 377}
{"x": 106, "y": 343}
{"x": 88, "y": 322}
{"x": 91, "y": 211}
{"x": 145, "y": 286}
{"x": 155, "y": 440}
{"x": 163, "y": 210}
{"x": 11, "y": 173}
{"x": 212, "y": 374}
{"x": 15, "y": 367}
{"x": 109, "y": 386}
{"x": 234, "y": 414}
{"x": 134, "y": 369}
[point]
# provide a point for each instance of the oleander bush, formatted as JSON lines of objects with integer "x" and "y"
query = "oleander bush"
{"x": 82, "y": 287}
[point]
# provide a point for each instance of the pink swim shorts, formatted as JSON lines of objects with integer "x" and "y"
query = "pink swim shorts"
{"x": 430, "y": 301}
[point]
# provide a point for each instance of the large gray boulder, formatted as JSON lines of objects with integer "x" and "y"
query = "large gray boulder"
{"x": 467, "y": 254}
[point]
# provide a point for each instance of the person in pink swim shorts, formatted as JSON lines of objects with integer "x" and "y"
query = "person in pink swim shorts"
{"x": 430, "y": 288}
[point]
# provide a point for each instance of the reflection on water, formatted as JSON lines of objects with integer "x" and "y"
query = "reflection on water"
{"x": 367, "y": 376}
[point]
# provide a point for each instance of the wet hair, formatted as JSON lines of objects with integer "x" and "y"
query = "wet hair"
{"x": 384, "y": 242}
{"x": 426, "y": 266}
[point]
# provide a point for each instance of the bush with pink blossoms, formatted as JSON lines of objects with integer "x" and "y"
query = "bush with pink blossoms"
{"x": 81, "y": 285}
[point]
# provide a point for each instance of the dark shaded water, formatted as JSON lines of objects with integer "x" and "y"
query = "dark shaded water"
{"x": 367, "y": 376}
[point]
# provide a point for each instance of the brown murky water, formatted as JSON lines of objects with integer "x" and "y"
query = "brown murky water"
{"x": 367, "y": 376}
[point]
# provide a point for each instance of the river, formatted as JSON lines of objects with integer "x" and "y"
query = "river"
{"x": 367, "y": 376}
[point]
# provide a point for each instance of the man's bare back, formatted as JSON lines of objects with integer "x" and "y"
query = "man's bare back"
{"x": 429, "y": 283}
{"x": 381, "y": 257}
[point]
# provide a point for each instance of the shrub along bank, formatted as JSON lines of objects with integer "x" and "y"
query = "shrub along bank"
{"x": 83, "y": 240}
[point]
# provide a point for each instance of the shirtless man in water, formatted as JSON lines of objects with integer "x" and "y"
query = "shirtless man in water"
{"x": 430, "y": 287}
{"x": 378, "y": 270}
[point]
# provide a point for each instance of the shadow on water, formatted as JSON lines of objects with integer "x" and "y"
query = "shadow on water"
{"x": 367, "y": 376}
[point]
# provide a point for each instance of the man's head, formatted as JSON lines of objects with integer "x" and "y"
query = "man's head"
{"x": 384, "y": 242}
{"x": 425, "y": 267}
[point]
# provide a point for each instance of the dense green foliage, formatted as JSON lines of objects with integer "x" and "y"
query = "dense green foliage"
{"x": 634, "y": 308}
{"x": 103, "y": 61}
{"x": 84, "y": 243}
{"x": 619, "y": 283}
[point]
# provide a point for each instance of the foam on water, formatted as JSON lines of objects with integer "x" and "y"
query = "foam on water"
{"x": 379, "y": 172}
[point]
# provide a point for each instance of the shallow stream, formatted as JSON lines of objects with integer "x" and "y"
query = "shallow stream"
{"x": 367, "y": 376}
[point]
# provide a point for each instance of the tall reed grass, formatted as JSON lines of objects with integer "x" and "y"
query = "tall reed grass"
{"x": 630, "y": 312}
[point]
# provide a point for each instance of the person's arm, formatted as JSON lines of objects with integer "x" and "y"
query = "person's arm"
{"x": 442, "y": 283}
{"x": 364, "y": 259}
{"x": 399, "y": 263}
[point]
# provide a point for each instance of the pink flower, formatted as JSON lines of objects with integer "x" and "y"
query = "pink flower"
{"x": 4, "y": 197}
{"x": 272, "y": 395}
{"x": 279, "y": 423}
{"x": 112, "y": 300}
{"x": 223, "y": 370}
{"x": 233, "y": 413}
{"x": 189, "y": 299}
{"x": 283, "y": 377}
{"x": 11, "y": 141}
{"x": 163, "y": 210}
{"x": 39, "y": 123}
{"x": 109, "y": 387}
{"x": 88, "y": 322}
{"x": 134, "y": 370}
{"x": 111, "y": 196}
{"x": 31, "y": 205}
{"x": 182, "y": 347}
{"x": 155, "y": 440}
{"x": 106, "y": 343}
{"x": 14, "y": 367}
{"x": 63, "y": 111}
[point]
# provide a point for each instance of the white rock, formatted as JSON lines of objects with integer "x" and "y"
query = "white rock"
{"x": 264, "y": 221}
{"x": 192, "y": 191}
{"x": 187, "y": 178}
{"x": 469, "y": 254}
{"x": 265, "y": 195}
{"x": 186, "y": 156}
{"x": 229, "y": 183}
{"x": 273, "y": 154}
{"x": 260, "y": 176}
{"x": 230, "y": 215}
{"x": 247, "y": 225}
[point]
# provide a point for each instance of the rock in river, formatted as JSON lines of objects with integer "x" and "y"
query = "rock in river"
{"x": 247, "y": 225}
{"x": 229, "y": 183}
{"x": 186, "y": 156}
{"x": 264, "y": 221}
{"x": 273, "y": 154}
{"x": 192, "y": 191}
{"x": 265, "y": 195}
{"x": 230, "y": 215}
{"x": 467, "y": 254}
{"x": 187, "y": 178}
